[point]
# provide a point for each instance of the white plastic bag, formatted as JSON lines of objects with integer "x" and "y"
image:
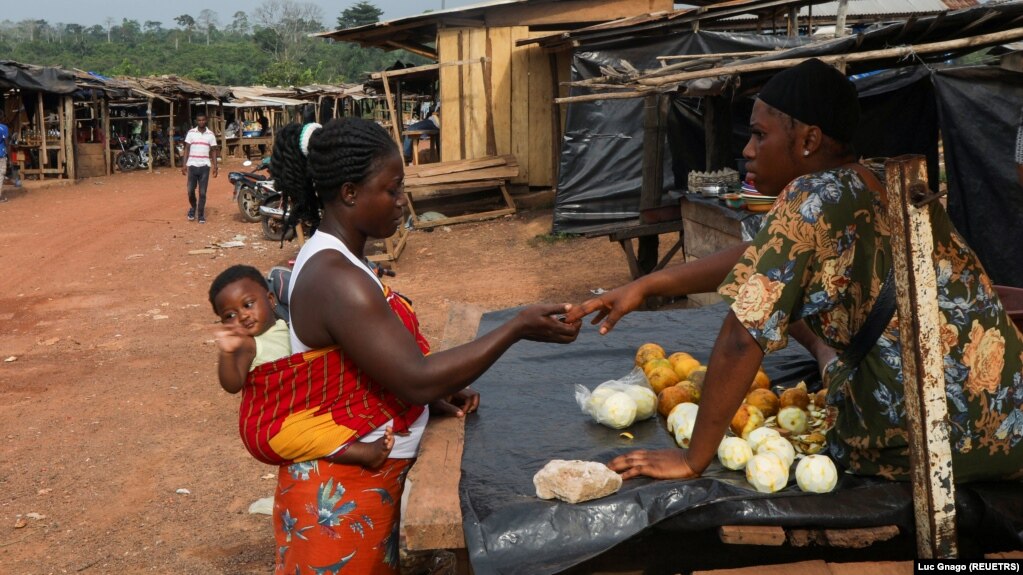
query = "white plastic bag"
{"x": 620, "y": 402}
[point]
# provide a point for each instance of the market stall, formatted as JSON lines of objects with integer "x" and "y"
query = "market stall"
{"x": 38, "y": 108}
{"x": 529, "y": 416}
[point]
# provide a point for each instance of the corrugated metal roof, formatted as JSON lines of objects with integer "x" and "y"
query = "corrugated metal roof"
{"x": 880, "y": 7}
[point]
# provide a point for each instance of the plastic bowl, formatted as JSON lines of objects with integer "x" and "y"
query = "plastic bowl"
{"x": 733, "y": 200}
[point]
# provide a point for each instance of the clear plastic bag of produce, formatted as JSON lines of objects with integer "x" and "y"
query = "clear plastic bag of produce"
{"x": 618, "y": 403}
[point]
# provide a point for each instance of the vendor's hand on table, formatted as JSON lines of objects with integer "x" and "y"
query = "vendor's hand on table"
{"x": 547, "y": 322}
{"x": 610, "y": 307}
{"x": 459, "y": 404}
{"x": 659, "y": 464}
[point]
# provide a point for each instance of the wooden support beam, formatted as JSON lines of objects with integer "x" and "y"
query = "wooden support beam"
{"x": 772, "y": 535}
{"x": 655, "y": 116}
{"x": 717, "y": 125}
{"x": 418, "y": 49}
{"x": 390, "y": 105}
{"x": 922, "y": 362}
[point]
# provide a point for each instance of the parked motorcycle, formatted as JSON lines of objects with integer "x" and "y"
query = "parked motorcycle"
{"x": 126, "y": 160}
{"x": 274, "y": 212}
{"x": 249, "y": 191}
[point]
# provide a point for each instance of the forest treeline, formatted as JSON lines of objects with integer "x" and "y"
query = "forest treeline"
{"x": 267, "y": 46}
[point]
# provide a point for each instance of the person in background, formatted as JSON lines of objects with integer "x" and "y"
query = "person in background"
{"x": 819, "y": 265}
{"x": 430, "y": 123}
{"x": 347, "y": 177}
{"x": 200, "y": 160}
{"x": 4, "y": 138}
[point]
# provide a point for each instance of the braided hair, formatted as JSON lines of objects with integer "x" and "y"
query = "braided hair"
{"x": 343, "y": 150}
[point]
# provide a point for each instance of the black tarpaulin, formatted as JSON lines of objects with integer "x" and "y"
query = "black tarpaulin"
{"x": 601, "y": 169}
{"x": 36, "y": 78}
{"x": 601, "y": 166}
{"x": 979, "y": 109}
{"x": 528, "y": 416}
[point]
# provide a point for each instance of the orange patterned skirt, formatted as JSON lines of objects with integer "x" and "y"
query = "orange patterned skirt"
{"x": 337, "y": 519}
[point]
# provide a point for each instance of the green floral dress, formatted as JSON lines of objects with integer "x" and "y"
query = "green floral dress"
{"x": 822, "y": 256}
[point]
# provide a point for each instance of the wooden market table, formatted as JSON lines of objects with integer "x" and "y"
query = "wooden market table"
{"x": 247, "y": 145}
{"x": 416, "y": 135}
{"x": 625, "y": 232}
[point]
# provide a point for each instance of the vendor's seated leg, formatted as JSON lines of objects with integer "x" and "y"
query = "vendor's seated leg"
{"x": 407, "y": 149}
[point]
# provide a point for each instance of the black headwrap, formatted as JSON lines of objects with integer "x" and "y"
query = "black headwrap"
{"x": 817, "y": 95}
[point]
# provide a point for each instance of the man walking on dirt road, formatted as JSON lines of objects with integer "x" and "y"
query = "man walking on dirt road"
{"x": 200, "y": 155}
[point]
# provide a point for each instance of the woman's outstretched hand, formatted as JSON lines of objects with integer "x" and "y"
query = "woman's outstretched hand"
{"x": 659, "y": 464}
{"x": 610, "y": 306}
{"x": 547, "y": 322}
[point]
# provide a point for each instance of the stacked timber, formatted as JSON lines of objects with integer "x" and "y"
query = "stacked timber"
{"x": 452, "y": 178}
{"x": 441, "y": 181}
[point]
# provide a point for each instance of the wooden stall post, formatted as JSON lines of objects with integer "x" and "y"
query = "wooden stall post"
{"x": 67, "y": 136}
{"x": 922, "y": 363}
{"x": 107, "y": 152}
{"x": 149, "y": 129}
{"x": 170, "y": 137}
{"x": 717, "y": 123}
{"x": 389, "y": 106}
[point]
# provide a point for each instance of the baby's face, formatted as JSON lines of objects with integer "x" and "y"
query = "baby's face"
{"x": 246, "y": 303}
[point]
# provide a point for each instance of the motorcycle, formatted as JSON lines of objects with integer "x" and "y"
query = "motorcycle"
{"x": 126, "y": 160}
{"x": 274, "y": 212}
{"x": 249, "y": 189}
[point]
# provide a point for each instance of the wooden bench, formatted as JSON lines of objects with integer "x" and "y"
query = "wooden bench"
{"x": 624, "y": 233}
{"x": 446, "y": 180}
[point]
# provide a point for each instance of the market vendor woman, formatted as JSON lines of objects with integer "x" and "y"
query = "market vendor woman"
{"x": 815, "y": 271}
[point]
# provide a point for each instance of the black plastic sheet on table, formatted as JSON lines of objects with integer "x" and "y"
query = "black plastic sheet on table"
{"x": 528, "y": 416}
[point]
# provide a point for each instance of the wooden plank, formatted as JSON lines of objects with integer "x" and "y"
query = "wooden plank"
{"x": 484, "y": 174}
{"x": 573, "y": 11}
{"x": 844, "y": 538}
{"x": 433, "y": 515}
{"x": 467, "y": 218}
{"x": 427, "y": 170}
{"x": 655, "y": 116}
{"x": 459, "y": 188}
{"x": 751, "y": 535}
{"x": 520, "y": 103}
{"x": 541, "y": 98}
{"x": 500, "y": 82}
{"x": 475, "y": 95}
{"x": 802, "y": 568}
{"x": 394, "y": 113}
{"x": 922, "y": 358}
{"x": 450, "y": 96}
{"x": 872, "y": 568}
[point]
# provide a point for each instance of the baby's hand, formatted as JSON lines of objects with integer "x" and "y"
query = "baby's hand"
{"x": 231, "y": 338}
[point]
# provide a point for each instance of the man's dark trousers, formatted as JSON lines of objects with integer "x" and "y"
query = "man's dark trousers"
{"x": 198, "y": 175}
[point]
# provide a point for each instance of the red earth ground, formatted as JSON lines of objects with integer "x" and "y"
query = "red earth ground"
{"x": 109, "y": 402}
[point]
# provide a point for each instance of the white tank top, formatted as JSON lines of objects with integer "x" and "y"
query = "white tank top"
{"x": 405, "y": 446}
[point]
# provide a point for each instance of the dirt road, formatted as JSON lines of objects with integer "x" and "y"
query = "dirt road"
{"x": 109, "y": 403}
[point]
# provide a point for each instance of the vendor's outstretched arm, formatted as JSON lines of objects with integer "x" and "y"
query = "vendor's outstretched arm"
{"x": 733, "y": 363}
{"x": 700, "y": 276}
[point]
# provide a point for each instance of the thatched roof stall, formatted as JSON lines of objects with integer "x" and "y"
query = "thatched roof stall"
{"x": 164, "y": 105}
{"x": 37, "y": 107}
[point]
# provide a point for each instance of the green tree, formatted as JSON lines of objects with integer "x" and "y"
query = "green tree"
{"x": 359, "y": 14}
{"x": 186, "y": 23}
{"x": 207, "y": 22}
{"x": 240, "y": 24}
{"x": 153, "y": 27}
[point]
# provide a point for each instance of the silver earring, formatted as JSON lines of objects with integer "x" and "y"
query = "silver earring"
{"x": 806, "y": 153}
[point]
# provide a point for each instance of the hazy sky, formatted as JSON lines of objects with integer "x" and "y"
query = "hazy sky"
{"x": 91, "y": 12}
